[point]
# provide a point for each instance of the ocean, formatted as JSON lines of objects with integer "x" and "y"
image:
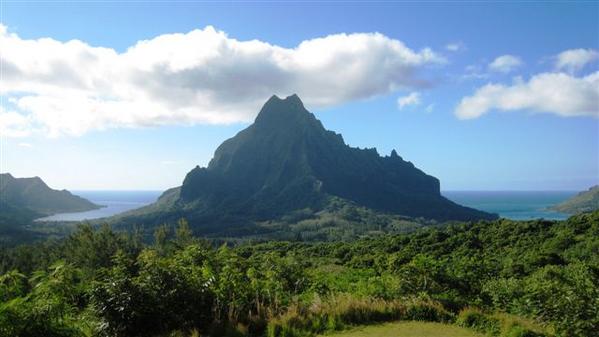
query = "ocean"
{"x": 515, "y": 205}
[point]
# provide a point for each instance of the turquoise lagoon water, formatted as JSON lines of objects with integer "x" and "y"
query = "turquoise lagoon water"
{"x": 516, "y": 205}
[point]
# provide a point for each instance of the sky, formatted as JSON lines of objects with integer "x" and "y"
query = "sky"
{"x": 109, "y": 95}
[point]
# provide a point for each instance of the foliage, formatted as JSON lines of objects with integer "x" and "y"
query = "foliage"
{"x": 529, "y": 278}
{"x": 499, "y": 324}
{"x": 586, "y": 201}
{"x": 48, "y": 310}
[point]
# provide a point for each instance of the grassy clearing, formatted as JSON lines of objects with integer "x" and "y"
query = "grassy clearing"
{"x": 344, "y": 311}
{"x": 408, "y": 329}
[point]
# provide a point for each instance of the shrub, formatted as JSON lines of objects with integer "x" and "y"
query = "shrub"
{"x": 499, "y": 324}
{"x": 475, "y": 319}
{"x": 520, "y": 331}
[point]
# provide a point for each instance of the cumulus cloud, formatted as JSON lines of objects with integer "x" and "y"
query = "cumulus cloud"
{"x": 505, "y": 63}
{"x": 575, "y": 59}
{"x": 203, "y": 76}
{"x": 557, "y": 93}
{"x": 411, "y": 99}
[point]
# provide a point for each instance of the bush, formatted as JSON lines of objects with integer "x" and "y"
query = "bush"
{"x": 22, "y": 318}
{"x": 498, "y": 324}
{"x": 475, "y": 319}
{"x": 520, "y": 331}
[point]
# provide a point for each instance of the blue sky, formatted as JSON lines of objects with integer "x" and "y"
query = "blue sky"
{"x": 509, "y": 133}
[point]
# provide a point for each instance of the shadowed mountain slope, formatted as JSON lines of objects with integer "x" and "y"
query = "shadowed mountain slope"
{"x": 32, "y": 195}
{"x": 22, "y": 200}
{"x": 287, "y": 161}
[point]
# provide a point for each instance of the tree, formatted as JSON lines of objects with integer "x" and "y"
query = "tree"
{"x": 184, "y": 235}
{"x": 160, "y": 238}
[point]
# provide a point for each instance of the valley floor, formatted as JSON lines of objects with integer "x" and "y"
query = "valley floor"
{"x": 408, "y": 329}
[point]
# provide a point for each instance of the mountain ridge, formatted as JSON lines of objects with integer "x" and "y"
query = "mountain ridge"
{"x": 286, "y": 161}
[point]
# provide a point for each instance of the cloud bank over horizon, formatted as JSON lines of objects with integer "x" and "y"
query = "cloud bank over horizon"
{"x": 203, "y": 76}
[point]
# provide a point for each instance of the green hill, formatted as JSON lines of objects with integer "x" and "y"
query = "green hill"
{"x": 35, "y": 195}
{"x": 19, "y": 214}
{"x": 24, "y": 199}
{"x": 586, "y": 201}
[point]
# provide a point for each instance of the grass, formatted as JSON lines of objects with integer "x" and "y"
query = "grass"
{"x": 408, "y": 329}
{"x": 343, "y": 311}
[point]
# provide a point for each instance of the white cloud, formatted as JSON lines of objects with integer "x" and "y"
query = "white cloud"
{"x": 474, "y": 72}
{"x": 13, "y": 124}
{"x": 505, "y": 63}
{"x": 27, "y": 145}
{"x": 575, "y": 59}
{"x": 455, "y": 46}
{"x": 556, "y": 93}
{"x": 202, "y": 76}
{"x": 411, "y": 99}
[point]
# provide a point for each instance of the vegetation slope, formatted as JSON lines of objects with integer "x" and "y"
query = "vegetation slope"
{"x": 508, "y": 278}
{"x": 24, "y": 199}
{"x": 586, "y": 201}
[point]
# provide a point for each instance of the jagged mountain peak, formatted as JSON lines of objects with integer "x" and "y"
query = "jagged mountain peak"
{"x": 287, "y": 160}
{"x": 289, "y": 111}
{"x": 292, "y": 100}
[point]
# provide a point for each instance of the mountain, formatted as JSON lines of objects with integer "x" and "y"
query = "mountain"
{"x": 586, "y": 201}
{"x": 24, "y": 199}
{"x": 287, "y": 161}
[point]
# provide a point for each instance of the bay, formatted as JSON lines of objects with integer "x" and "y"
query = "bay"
{"x": 514, "y": 205}
{"x": 114, "y": 202}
